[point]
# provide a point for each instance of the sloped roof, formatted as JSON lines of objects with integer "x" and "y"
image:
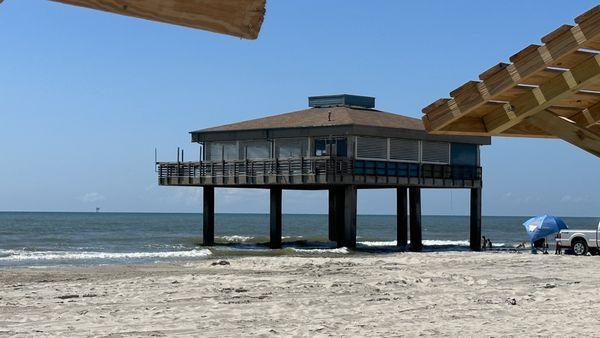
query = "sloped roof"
{"x": 324, "y": 117}
{"x": 547, "y": 90}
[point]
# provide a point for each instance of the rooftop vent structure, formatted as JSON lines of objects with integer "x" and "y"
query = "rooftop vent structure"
{"x": 341, "y": 100}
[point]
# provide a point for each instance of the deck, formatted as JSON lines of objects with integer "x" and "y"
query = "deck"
{"x": 317, "y": 173}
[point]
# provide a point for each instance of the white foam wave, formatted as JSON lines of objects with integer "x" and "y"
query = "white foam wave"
{"x": 378, "y": 243}
{"x": 235, "y": 238}
{"x": 443, "y": 242}
{"x": 17, "y": 255}
{"x": 428, "y": 242}
{"x": 342, "y": 250}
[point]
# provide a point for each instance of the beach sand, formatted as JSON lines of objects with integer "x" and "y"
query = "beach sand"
{"x": 444, "y": 293}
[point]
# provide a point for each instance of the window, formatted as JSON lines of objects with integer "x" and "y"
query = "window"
{"x": 463, "y": 154}
{"x": 404, "y": 150}
{"x": 341, "y": 147}
{"x": 230, "y": 151}
{"x": 436, "y": 152}
{"x": 291, "y": 148}
{"x": 321, "y": 148}
{"x": 331, "y": 147}
{"x": 257, "y": 150}
{"x": 219, "y": 151}
{"x": 371, "y": 147}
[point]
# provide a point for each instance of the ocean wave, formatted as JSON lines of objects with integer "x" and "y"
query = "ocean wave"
{"x": 18, "y": 255}
{"x": 342, "y": 250}
{"x": 235, "y": 238}
{"x": 443, "y": 242}
{"x": 245, "y": 239}
{"x": 427, "y": 242}
{"x": 377, "y": 243}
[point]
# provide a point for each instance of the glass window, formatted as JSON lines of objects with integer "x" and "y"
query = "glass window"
{"x": 331, "y": 147}
{"x": 463, "y": 154}
{"x": 258, "y": 150}
{"x": 219, "y": 151}
{"x": 321, "y": 148}
{"x": 230, "y": 151}
{"x": 342, "y": 147}
{"x": 291, "y": 148}
{"x": 214, "y": 152}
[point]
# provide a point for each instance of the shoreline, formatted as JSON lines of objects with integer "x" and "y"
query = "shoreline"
{"x": 433, "y": 293}
{"x": 237, "y": 246}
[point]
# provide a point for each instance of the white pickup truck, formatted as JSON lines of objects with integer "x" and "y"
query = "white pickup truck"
{"x": 580, "y": 241}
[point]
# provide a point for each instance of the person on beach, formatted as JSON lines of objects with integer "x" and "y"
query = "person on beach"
{"x": 558, "y": 248}
{"x": 483, "y": 243}
{"x": 489, "y": 244}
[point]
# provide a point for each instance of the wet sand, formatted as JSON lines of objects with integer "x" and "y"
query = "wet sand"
{"x": 399, "y": 294}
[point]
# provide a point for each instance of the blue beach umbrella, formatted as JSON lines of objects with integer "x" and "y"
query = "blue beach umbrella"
{"x": 543, "y": 226}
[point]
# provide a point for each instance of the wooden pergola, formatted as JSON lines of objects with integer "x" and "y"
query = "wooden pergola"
{"x": 240, "y": 18}
{"x": 550, "y": 90}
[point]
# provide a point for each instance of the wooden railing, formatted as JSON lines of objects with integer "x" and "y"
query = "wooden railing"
{"x": 315, "y": 166}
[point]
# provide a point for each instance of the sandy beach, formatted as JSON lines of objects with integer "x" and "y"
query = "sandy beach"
{"x": 401, "y": 294}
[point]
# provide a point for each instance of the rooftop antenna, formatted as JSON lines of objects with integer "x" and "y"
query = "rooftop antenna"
{"x": 177, "y": 154}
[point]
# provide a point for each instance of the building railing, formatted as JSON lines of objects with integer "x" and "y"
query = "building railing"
{"x": 315, "y": 166}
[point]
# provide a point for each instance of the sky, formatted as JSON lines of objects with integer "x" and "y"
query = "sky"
{"x": 86, "y": 97}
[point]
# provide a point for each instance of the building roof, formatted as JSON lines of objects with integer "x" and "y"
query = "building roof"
{"x": 547, "y": 90}
{"x": 328, "y": 121}
{"x": 325, "y": 117}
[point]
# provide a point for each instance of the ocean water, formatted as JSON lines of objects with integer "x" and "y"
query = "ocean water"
{"x": 50, "y": 239}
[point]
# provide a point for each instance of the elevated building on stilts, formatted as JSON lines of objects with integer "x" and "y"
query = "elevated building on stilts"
{"x": 340, "y": 144}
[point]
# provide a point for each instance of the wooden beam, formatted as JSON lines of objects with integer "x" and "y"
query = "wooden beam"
{"x": 474, "y": 126}
{"x": 543, "y": 97}
{"x": 561, "y": 48}
{"x": 568, "y": 131}
{"x": 240, "y": 18}
{"x": 526, "y": 129}
{"x": 587, "y": 117}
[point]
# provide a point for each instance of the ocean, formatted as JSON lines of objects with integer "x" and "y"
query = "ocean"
{"x": 51, "y": 239}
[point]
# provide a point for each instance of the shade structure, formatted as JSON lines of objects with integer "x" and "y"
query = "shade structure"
{"x": 543, "y": 226}
{"x": 241, "y": 18}
{"x": 549, "y": 90}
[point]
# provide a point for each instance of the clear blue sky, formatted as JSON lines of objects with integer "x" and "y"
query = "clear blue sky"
{"x": 86, "y": 96}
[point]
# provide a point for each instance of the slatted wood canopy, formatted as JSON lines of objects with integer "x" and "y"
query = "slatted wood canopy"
{"x": 240, "y": 18}
{"x": 550, "y": 90}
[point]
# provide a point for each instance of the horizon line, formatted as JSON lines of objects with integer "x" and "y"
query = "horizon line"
{"x": 255, "y": 213}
